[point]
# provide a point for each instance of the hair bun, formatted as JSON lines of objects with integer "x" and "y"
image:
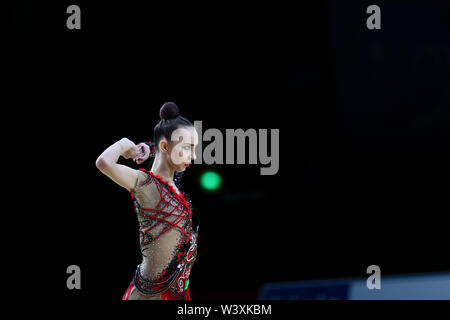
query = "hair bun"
{"x": 169, "y": 110}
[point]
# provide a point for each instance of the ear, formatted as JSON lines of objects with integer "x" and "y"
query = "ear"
{"x": 163, "y": 145}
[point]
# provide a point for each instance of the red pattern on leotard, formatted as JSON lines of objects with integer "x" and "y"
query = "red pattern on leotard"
{"x": 186, "y": 249}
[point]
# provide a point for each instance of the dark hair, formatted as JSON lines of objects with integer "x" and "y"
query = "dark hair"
{"x": 170, "y": 121}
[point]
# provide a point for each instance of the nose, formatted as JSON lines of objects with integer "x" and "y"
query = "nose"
{"x": 193, "y": 156}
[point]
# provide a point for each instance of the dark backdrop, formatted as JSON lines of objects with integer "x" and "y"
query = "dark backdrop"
{"x": 364, "y": 126}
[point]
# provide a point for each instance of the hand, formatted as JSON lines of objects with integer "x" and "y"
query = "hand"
{"x": 129, "y": 149}
{"x": 143, "y": 154}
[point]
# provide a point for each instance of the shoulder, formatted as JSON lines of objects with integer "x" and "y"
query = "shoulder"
{"x": 144, "y": 177}
{"x": 147, "y": 189}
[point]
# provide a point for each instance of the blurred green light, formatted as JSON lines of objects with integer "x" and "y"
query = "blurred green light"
{"x": 210, "y": 180}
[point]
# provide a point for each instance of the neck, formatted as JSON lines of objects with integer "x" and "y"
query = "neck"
{"x": 162, "y": 168}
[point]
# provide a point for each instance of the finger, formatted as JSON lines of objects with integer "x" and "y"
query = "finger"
{"x": 147, "y": 150}
{"x": 142, "y": 159}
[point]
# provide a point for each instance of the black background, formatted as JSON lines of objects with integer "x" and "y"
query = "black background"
{"x": 364, "y": 124}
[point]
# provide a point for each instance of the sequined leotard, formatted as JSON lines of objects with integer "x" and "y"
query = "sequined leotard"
{"x": 168, "y": 241}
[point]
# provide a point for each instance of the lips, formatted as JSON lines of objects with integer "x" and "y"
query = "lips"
{"x": 186, "y": 164}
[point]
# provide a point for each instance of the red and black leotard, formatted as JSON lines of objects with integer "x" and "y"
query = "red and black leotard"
{"x": 168, "y": 240}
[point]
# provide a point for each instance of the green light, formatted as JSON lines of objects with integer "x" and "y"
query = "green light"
{"x": 210, "y": 180}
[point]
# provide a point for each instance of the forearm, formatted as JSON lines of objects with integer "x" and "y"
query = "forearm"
{"x": 112, "y": 154}
{"x": 121, "y": 174}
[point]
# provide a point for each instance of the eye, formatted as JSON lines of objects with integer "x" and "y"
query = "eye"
{"x": 187, "y": 148}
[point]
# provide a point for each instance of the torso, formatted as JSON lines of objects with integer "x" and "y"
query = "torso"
{"x": 165, "y": 231}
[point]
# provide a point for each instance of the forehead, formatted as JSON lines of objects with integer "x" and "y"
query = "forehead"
{"x": 186, "y": 135}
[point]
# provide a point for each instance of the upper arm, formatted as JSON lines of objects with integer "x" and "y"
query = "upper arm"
{"x": 124, "y": 176}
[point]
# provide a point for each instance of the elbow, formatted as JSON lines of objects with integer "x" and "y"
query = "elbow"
{"x": 101, "y": 163}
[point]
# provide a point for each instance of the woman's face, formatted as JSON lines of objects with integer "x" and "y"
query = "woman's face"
{"x": 181, "y": 149}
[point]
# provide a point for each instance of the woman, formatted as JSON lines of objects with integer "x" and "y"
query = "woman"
{"x": 168, "y": 238}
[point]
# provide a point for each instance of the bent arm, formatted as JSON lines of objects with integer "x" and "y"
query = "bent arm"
{"x": 120, "y": 174}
